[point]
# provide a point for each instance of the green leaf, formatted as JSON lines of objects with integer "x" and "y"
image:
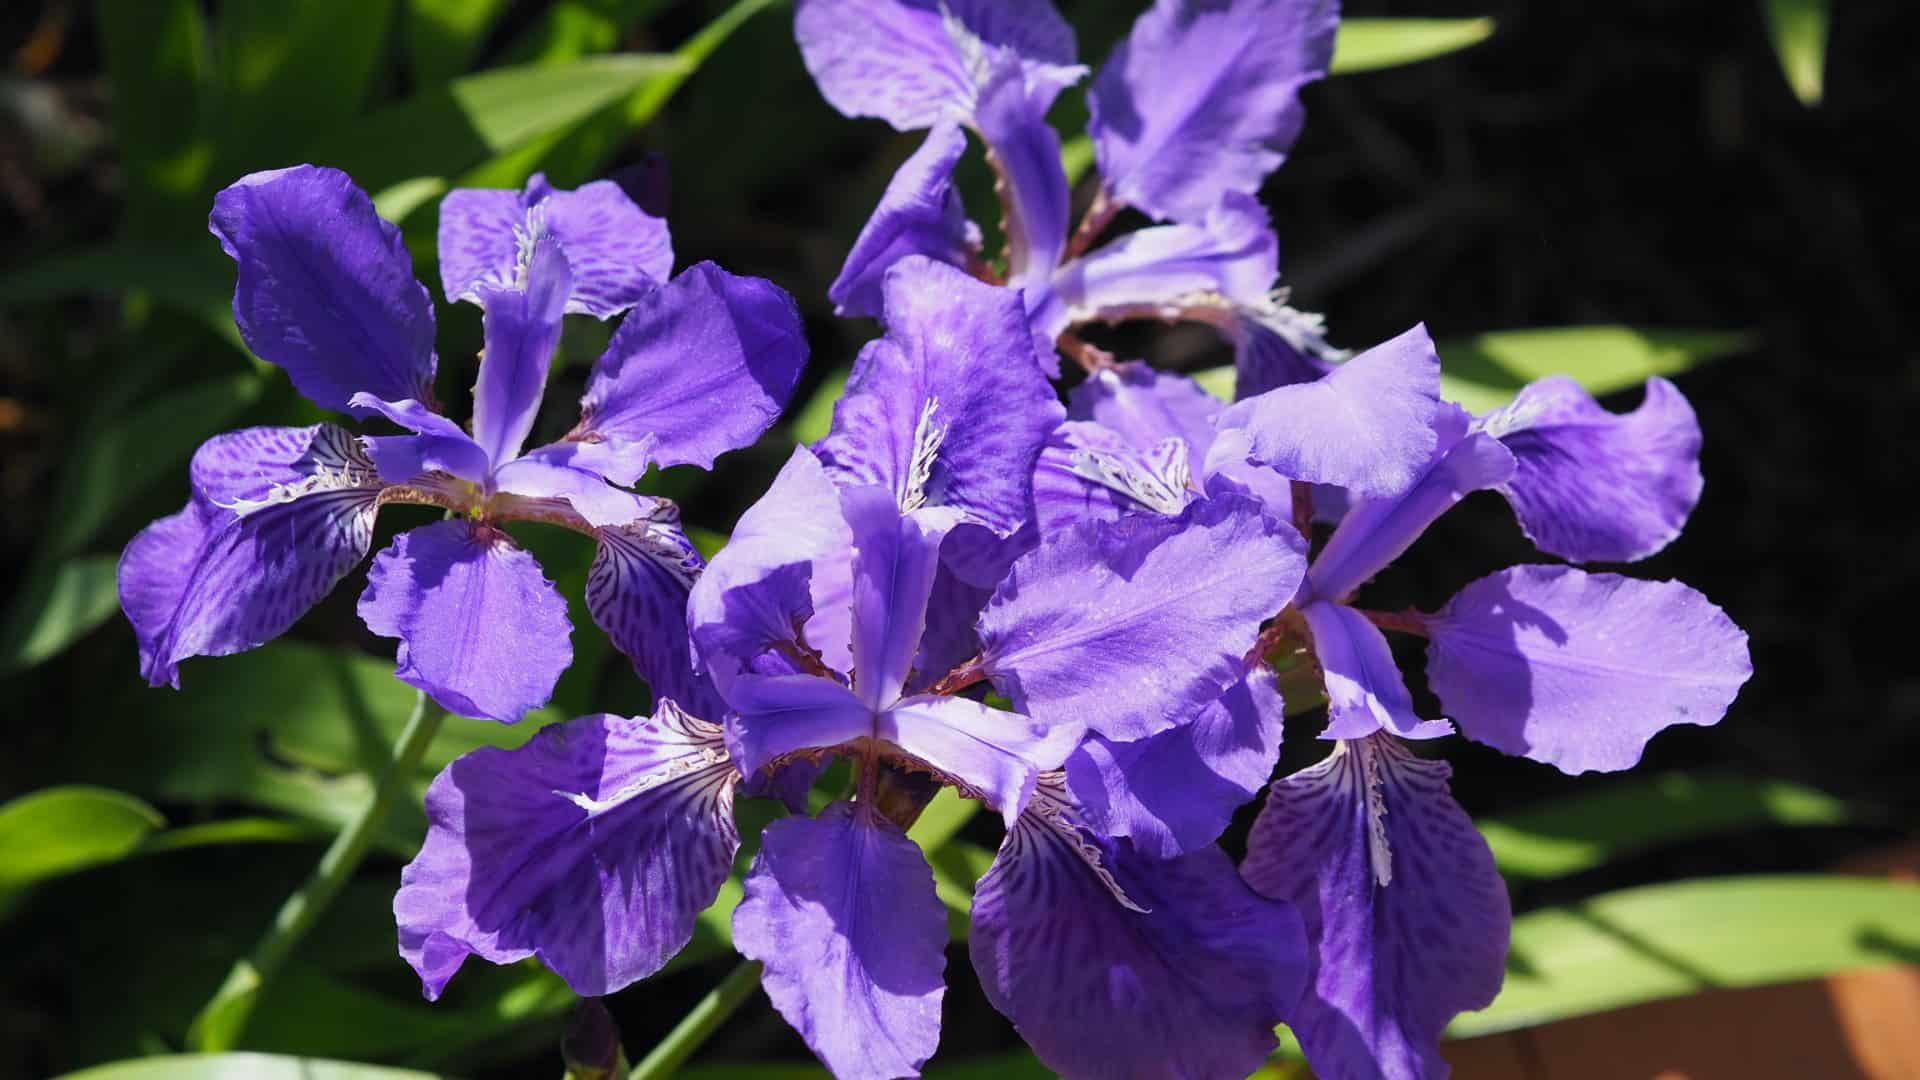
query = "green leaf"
{"x": 1076, "y": 157}
{"x": 1798, "y": 30}
{"x": 63, "y": 830}
{"x": 1568, "y": 836}
{"x": 1217, "y": 381}
{"x": 811, "y": 422}
{"x": 242, "y": 1067}
{"x": 443, "y": 36}
{"x": 157, "y": 69}
{"x": 944, "y": 817}
{"x": 445, "y": 131}
{"x": 58, "y": 606}
{"x": 1484, "y": 372}
{"x": 403, "y": 198}
{"x": 287, "y": 68}
{"x": 1664, "y": 941}
{"x": 1370, "y": 44}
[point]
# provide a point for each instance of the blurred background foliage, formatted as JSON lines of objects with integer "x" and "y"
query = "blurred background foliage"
{"x": 1618, "y": 192}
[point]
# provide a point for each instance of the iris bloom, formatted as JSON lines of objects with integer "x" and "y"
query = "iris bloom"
{"x": 834, "y": 624}
{"x": 1408, "y": 918}
{"x": 1188, "y": 116}
{"x": 278, "y": 515}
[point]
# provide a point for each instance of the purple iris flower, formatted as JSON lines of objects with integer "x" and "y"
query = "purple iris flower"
{"x": 1189, "y": 115}
{"x": 840, "y": 621}
{"x": 1579, "y": 670}
{"x": 278, "y": 515}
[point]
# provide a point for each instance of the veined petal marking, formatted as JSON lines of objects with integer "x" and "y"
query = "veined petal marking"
{"x": 338, "y": 463}
{"x": 708, "y": 752}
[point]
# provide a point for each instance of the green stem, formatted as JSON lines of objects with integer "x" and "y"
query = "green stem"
{"x": 220, "y": 1023}
{"x": 699, "y": 1024}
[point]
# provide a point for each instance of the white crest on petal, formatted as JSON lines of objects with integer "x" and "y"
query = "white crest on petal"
{"x": 1162, "y": 486}
{"x": 705, "y": 750}
{"x": 1306, "y": 331}
{"x": 333, "y": 461}
{"x": 1372, "y": 776}
{"x": 527, "y": 236}
{"x": 928, "y": 434}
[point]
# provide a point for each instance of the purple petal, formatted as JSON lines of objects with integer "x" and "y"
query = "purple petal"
{"x": 919, "y": 214}
{"x": 701, "y": 366}
{"x": 618, "y": 252}
{"x": 1365, "y": 691}
{"x": 909, "y": 62}
{"x": 537, "y": 479}
{"x": 278, "y": 518}
{"x": 842, "y": 912}
{"x": 1202, "y": 99}
{"x": 949, "y": 639}
{"x": 783, "y": 565}
{"x": 1368, "y": 426}
{"x": 895, "y": 558}
{"x": 594, "y": 847}
{"x": 778, "y": 715}
{"x": 481, "y": 629}
{"x": 1230, "y": 251}
{"x": 1134, "y": 626}
{"x": 1144, "y": 406}
{"x": 1579, "y": 670}
{"x": 1175, "y": 792}
{"x": 995, "y": 753}
{"x": 1113, "y": 964}
{"x": 522, "y": 323}
{"x": 1011, "y": 116}
{"x": 326, "y": 288}
{"x": 409, "y": 413}
{"x": 1276, "y": 345}
{"x": 1407, "y": 918}
{"x": 404, "y": 459}
{"x": 1591, "y": 486}
{"x": 1088, "y": 472}
{"x": 637, "y": 591}
{"x": 950, "y": 408}
{"x": 1375, "y": 531}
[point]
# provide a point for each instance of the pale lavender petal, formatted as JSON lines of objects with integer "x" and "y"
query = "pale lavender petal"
{"x": 1011, "y": 116}
{"x": 1067, "y": 633}
{"x": 1202, "y": 99}
{"x": 1230, "y": 251}
{"x": 842, "y": 912}
{"x": 919, "y": 214}
{"x": 594, "y": 847}
{"x": 1368, "y": 426}
{"x": 778, "y": 715}
{"x": 403, "y": 459}
{"x": 1592, "y": 486}
{"x": 617, "y": 251}
{"x": 1088, "y": 472}
{"x": 637, "y": 592}
{"x": 1226, "y": 470}
{"x": 904, "y": 62}
{"x": 1375, "y": 531}
{"x": 1276, "y": 345}
{"x": 1365, "y": 691}
{"x": 480, "y": 234}
{"x": 536, "y": 477}
{"x": 522, "y": 326}
{"x": 950, "y": 408}
{"x": 895, "y": 558}
{"x": 1579, "y": 670}
{"x": 998, "y": 755}
{"x": 279, "y": 516}
{"x": 1175, "y": 792}
{"x": 481, "y": 629}
{"x": 1406, "y": 915}
{"x": 1113, "y": 964}
{"x": 1144, "y": 406}
{"x": 326, "y": 288}
{"x": 410, "y": 413}
{"x": 700, "y": 366}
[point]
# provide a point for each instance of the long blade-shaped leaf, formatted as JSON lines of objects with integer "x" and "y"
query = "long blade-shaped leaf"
{"x": 1370, "y": 44}
{"x": 1485, "y": 371}
{"x": 1798, "y": 30}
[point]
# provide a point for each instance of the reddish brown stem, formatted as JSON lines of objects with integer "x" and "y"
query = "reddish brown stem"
{"x": 967, "y": 674}
{"x": 1100, "y": 214}
{"x": 1405, "y": 622}
{"x": 1089, "y": 356}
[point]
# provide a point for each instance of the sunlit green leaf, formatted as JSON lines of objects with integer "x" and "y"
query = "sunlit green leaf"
{"x": 396, "y": 202}
{"x": 242, "y": 1067}
{"x": 1663, "y": 941}
{"x": 1567, "y": 836}
{"x": 57, "y": 606}
{"x": 1798, "y": 30}
{"x": 1369, "y": 44}
{"x": 62, "y": 830}
{"x": 811, "y": 422}
{"x": 1484, "y": 372}
{"x": 944, "y": 817}
{"x": 1076, "y": 157}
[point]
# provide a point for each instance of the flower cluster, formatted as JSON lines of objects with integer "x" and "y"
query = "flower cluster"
{"x": 1070, "y": 613}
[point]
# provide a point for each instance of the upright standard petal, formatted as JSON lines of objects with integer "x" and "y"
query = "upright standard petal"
{"x": 1592, "y": 486}
{"x": 895, "y": 558}
{"x": 1406, "y": 915}
{"x": 1368, "y": 426}
{"x": 618, "y": 251}
{"x": 995, "y": 755}
{"x": 842, "y": 912}
{"x": 1024, "y": 150}
{"x": 481, "y": 629}
{"x": 1113, "y": 964}
{"x": 1175, "y": 792}
{"x": 950, "y": 408}
{"x": 1230, "y": 251}
{"x": 919, "y": 214}
{"x": 1202, "y": 99}
{"x": 278, "y": 518}
{"x": 1579, "y": 670}
{"x": 1135, "y": 626}
{"x": 326, "y": 288}
{"x": 1365, "y": 691}
{"x": 1375, "y": 531}
{"x": 522, "y": 325}
{"x": 637, "y": 590}
{"x": 594, "y": 847}
{"x": 701, "y": 366}
{"x": 913, "y": 63}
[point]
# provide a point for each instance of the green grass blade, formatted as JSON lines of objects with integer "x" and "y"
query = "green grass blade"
{"x": 1371, "y": 44}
